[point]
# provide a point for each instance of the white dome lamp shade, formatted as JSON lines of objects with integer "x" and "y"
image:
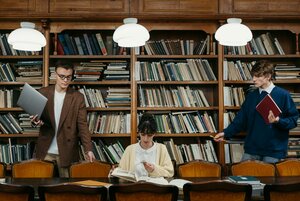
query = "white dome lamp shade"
{"x": 27, "y": 38}
{"x": 131, "y": 34}
{"x": 233, "y": 33}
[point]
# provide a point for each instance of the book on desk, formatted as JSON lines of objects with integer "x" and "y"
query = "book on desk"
{"x": 131, "y": 176}
{"x": 244, "y": 179}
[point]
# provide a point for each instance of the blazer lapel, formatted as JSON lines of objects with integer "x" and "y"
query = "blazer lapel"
{"x": 66, "y": 108}
{"x": 51, "y": 105}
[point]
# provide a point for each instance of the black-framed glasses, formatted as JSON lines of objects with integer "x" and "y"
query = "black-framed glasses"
{"x": 63, "y": 77}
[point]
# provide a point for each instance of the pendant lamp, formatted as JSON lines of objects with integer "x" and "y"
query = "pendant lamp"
{"x": 233, "y": 33}
{"x": 27, "y": 38}
{"x": 131, "y": 34}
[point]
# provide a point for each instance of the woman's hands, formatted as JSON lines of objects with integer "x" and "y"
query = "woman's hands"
{"x": 149, "y": 166}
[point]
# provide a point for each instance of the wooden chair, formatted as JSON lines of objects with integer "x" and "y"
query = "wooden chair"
{"x": 72, "y": 192}
{"x": 282, "y": 192}
{"x": 90, "y": 169}
{"x": 143, "y": 191}
{"x": 15, "y": 192}
{"x": 288, "y": 168}
{"x": 217, "y": 190}
{"x": 253, "y": 168}
{"x": 2, "y": 169}
{"x": 199, "y": 169}
{"x": 33, "y": 169}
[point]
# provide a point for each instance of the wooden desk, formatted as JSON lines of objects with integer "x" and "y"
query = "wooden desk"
{"x": 38, "y": 182}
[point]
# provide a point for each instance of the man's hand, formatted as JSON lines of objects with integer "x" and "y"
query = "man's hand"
{"x": 272, "y": 118}
{"x": 35, "y": 121}
{"x": 219, "y": 137}
{"x": 90, "y": 156}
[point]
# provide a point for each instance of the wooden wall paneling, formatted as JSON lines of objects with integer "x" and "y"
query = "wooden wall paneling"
{"x": 91, "y": 7}
{"x": 178, "y": 7}
{"x": 266, "y": 7}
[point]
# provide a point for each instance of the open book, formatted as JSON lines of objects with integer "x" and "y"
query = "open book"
{"x": 131, "y": 176}
{"x": 265, "y": 105}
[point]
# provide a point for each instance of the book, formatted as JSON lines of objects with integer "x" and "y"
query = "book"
{"x": 91, "y": 183}
{"x": 132, "y": 176}
{"x": 267, "y": 104}
{"x": 244, "y": 179}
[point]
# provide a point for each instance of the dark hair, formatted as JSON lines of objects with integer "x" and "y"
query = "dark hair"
{"x": 261, "y": 68}
{"x": 147, "y": 124}
{"x": 64, "y": 64}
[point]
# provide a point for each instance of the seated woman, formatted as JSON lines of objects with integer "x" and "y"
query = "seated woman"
{"x": 147, "y": 158}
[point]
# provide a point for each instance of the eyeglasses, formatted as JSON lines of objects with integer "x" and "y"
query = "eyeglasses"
{"x": 148, "y": 134}
{"x": 63, "y": 77}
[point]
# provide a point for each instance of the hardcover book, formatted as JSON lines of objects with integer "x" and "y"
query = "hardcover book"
{"x": 244, "y": 179}
{"x": 265, "y": 105}
{"x": 132, "y": 176}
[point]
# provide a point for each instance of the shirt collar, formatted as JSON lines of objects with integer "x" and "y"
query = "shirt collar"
{"x": 268, "y": 89}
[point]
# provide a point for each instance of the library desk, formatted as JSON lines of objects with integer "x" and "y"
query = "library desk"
{"x": 38, "y": 182}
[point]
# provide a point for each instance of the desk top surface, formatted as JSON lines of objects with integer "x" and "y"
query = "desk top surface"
{"x": 114, "y": 180}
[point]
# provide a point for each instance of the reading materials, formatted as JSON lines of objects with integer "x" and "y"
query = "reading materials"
{"x": 131, "y": 176}
{"x": 91, "y": 183}
{"x": 265, "y": 105}
{"x": 32, "y": 101}
{"x": 244, "y": 179}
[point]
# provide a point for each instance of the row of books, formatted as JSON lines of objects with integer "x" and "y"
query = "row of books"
{"x": 186, "y": 122}
{"x": 89, "y": 71}
{"x": 92, "y": 97}
{"x": 293, "y": 148}
{"x": 169, "y": 96}
{"x": 233, "y": 96}
{"x": 286, "y": 71}
{"x": 237, "y": 70}
{"x": 88, "y": 44}
{"x": 111, "y": 153}
{"x": 204, "y": 150}
{"x": 9, "y": 97}
{"x": 9, "y": 124}
{"x": 111, "y": 97}
{"x": 6, "y": 49}
{"x": 109, "y": 123}
{"x": 233, "y": 151}
{"x": 21, "y": 71}
{"x": 178, "y": 47}
{"x": 6, "y": 73}
{"x": 118, "y": 97}
{"x": 116, "y": 71}
{"x": 172, "y": 70}
{"x": 264, "y": 44}
{"x": 12, "y": 153}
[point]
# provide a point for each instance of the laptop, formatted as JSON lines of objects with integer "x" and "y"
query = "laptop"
{"x": 32, "y": 101}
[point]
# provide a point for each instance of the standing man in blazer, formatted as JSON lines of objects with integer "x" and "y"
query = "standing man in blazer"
{"x": 63, "y": 123}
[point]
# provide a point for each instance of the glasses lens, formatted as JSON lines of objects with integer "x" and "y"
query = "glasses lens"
{"x": 63, "y": 77}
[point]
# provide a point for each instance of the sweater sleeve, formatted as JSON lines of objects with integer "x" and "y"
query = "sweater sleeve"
{"x": 164, "y": 166}
{"x": 288, "y": 118}
{"x": 239, "y": 123}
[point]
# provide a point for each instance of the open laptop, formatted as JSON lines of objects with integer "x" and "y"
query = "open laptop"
{"x": 32, "y": 101}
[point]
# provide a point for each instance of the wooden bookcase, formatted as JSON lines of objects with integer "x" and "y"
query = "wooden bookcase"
{"x": 193, "y": 26}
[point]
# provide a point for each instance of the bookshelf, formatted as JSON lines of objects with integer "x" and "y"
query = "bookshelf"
{"x": 189, "y": 27}
{"x": 288, "y": 42}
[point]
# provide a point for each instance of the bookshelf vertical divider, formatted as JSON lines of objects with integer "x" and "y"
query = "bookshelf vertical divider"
{"x": 134, "y": 97}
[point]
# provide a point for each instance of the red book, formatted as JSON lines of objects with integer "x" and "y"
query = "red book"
{"x": 265, "y": 105}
